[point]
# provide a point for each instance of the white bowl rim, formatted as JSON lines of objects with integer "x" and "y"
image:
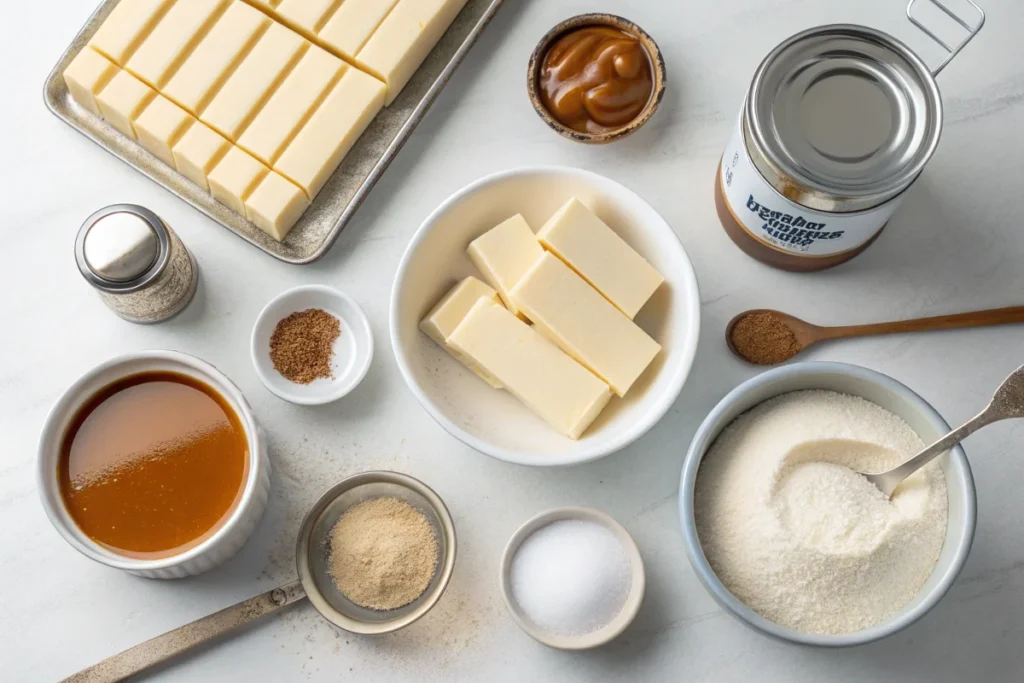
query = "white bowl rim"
{"x": 703, "y": 439}
{"x": 47, "y": 484}
{"x": 630, "y": 607}
{"x": 344, "y": 384}
{"x": 602, "y": 448}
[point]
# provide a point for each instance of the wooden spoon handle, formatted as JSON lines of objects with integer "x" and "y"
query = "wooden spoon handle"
{"x": 995, "y": 316}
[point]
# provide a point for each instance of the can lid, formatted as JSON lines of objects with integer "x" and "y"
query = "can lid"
{"x": 842, "y": 118}
{"x": 122, "y": 248}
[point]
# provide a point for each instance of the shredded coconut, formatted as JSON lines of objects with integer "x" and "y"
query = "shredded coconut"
{"x": 795, "y": 533}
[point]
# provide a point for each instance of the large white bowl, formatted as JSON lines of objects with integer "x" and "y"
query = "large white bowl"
{"x": 493, "y": 421}
{"x": 224, "y": 542}
{"x": 894, "y": 397}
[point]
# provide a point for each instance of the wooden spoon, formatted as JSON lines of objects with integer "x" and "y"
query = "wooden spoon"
{"x": 807, "y": 334}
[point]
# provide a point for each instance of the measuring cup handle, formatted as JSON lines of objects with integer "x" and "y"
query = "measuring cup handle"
{"x": 971, "y": 28}
{"x": 137, "y": 659}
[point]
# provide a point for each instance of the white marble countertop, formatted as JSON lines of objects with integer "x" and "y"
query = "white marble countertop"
{"x": 956, "y": 245}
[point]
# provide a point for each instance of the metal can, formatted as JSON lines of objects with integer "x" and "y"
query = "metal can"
{"x": 138, "y": 265}
{"x": 838, "y": 122}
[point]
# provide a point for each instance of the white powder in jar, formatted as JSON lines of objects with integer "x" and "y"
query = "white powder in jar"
{"x": 795, "y": 533}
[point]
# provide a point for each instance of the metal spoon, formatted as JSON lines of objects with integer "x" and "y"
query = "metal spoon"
{"x": 1007, "y": 403}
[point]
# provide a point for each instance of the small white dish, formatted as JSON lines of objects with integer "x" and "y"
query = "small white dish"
{"x": 614, "y": 628}
{"x": 493, "y": 421}
{"x": 353, "y": 350}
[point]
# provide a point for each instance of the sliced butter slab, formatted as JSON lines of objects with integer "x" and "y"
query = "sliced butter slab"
{"x": 255, "y": 79}
{"x": 352, "y": 25}
{"x": 534, "y": 370}
{"x": 321, "y": 144}
{"x": 275, "y": 205}
{"x": 601, "y": 257}
{"x": 450, "y": 311}
{"x": 216, "y": 57}
{"x": 405, "y": 38}
{"x": 160, "y": 125}
{"x": 504, "y": 254}
{"x": 584, "y": 324}
{"x": 173, "y": 39}
{"x": 86, "y": 75}
{"x": 126, "y": 27}
{"x": 121, "y": 101}
{"x": 234, "y": 178}
{"x": 291, "y": 105}
{"x": 306, "y": 16}
{"x": 197, "y": 152}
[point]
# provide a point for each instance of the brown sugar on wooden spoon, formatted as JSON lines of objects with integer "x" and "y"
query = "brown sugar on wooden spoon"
{"x": 763, "y": 338}
{"x": 302, "y": 346}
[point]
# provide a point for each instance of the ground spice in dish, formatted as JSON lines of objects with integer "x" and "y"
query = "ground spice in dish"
{"x": 302, "y": 346}
{"x": 383, "y": 554}
{"x": 764, "y": 338}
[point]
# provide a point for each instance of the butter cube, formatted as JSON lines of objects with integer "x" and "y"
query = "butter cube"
{"x": 275, "y": 205}
{"x": 255, "y": 79}
{"x": 127, "y": 26}
{"x": 306, "y": 16}
{"x": 534, "y": 370}
{"x": 601, "y": 257}
{"x": 160, "y": 125}
{"x": 405, "y": 38}
{"x": 86, "y": 75}
{"x": 216, "y": 57}
{"x": 321, "y": 144}
{"x": 504, "y": 254}
{"x": 197, "y": 152}
{"x": 450, "y": 311}
{"x": 291, "y": 105}
{"x": 173, "y": 39}
{"x": 234, "y": 178}
{"x": 584, "y": 324}
{"x": 121, "y": 101}
{"x": 352, "y": 25}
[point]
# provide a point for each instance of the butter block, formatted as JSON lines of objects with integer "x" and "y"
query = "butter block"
{"x": 321, "y": 144}
{"x": 504, "y": 254}
{"x": 87, "y": 74}
{"x": 291, "y": 105}
{"x": 255, "y": 79}
{"x": 601, "y": 257}
{"x": 534, "y": 370}
{"x": 450, "y": 311}
{"x": 126, "y": 27}
{"x": 584, "y": 324}
{"x": 197, "y": 152}
{"x": 173, "y": 39}
{"x": 348, "y": 29}
{"x": 234, "y": 178}
{"x": 275, "y": 205}
{"x": 405, "y": 38}
{"x": 216, "y": 57}
{"x": 160, "y": 125}
{"x": 121, "y": 101}
{"x": 306, "y": 16}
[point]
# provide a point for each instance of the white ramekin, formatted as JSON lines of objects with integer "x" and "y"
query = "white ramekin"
{"x": 227, "y": 540}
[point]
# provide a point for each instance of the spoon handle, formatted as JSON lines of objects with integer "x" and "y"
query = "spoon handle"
{"x": 157, "y": 650}
{"x": 995, "y": 316}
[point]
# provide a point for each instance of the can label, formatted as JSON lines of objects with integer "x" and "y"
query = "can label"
{"x": 784, "y": 225}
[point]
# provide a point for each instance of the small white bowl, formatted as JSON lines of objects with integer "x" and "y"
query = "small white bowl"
{"x": 353, "y": 349}
{"x": 493, "y": 421}
{"x": 606, "y": 633}
{"x": 227, "y": 540}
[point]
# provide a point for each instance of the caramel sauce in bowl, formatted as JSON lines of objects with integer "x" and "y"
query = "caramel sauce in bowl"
{"x": 596, "y": 78}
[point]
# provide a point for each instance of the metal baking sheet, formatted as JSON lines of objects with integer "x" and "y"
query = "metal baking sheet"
{"x": 320, "y": 226}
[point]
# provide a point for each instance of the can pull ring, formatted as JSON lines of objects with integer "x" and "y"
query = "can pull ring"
{"x": 972, "y": 30}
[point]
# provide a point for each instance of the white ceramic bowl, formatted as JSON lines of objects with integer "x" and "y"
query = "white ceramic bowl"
{"x": 493, "y": 421}
{"x": 227, "y": 540}
{"x": 353, "y": 349}
{"x": 614, "y": 628}
{"x": 894, "y": 397}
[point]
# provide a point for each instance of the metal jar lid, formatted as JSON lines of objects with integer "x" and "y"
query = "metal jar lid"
{"x": 842, "y": 118}
{"x": 122, "y": 248}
